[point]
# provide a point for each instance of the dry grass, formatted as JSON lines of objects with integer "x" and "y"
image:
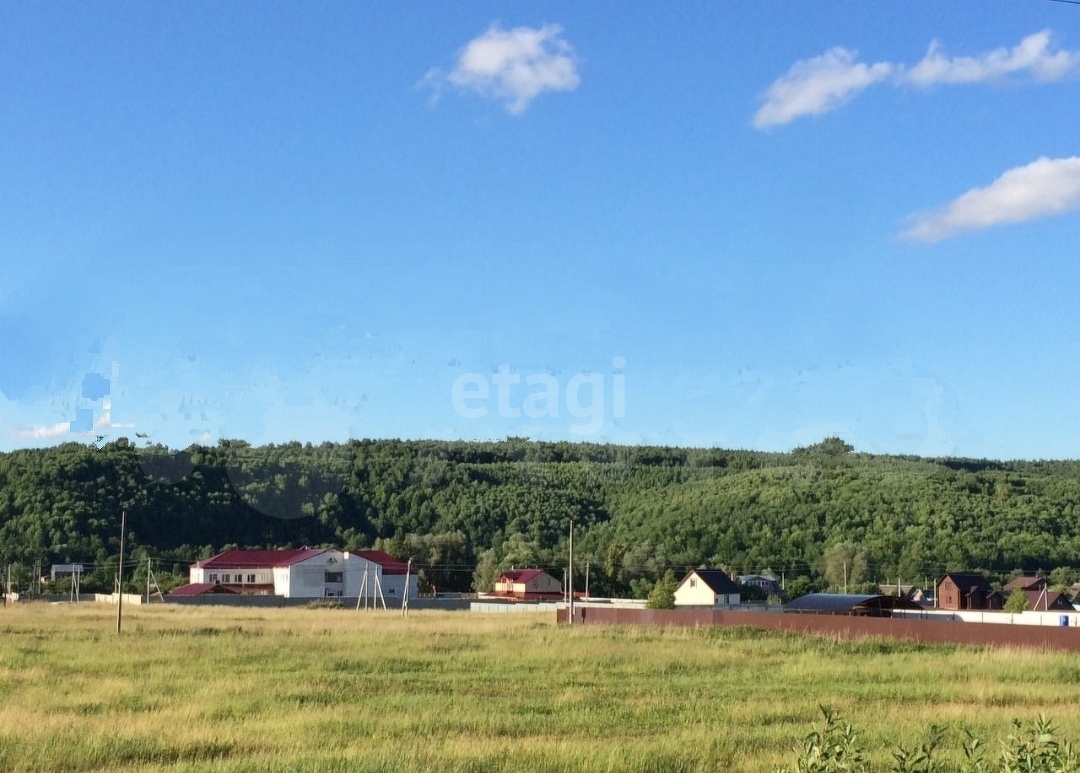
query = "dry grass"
{"x": 192, "y": 689}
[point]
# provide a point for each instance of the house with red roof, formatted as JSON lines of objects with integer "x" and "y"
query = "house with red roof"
{"x": 302, "y": 573}
{"x": 528, "y": 584}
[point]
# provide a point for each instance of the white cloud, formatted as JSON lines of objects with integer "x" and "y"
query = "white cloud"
{"x": 824, "y": 83}
{"x": 1033, "y": 56}
{"x": 513, "y": 66}
{"x": 818, "y": 85}
{"x": 43, "y": 433}
{"x": 1049, "y": 186}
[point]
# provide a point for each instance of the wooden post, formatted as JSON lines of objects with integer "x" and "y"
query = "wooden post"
{"x": 570, "y": 572}
{"x": 120, "y": 574}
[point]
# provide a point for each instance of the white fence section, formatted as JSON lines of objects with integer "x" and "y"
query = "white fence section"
{"x": 497, "y": 607}
{"x": 110, "y": 598}
{"x": 1056, "y": 619}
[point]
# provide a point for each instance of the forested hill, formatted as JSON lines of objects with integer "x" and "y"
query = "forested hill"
{"x": 639, "y": 511}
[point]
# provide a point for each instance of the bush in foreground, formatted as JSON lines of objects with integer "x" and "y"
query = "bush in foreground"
{"x": 1033, "y": 748}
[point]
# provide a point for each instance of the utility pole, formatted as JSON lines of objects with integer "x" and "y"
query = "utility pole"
{"x": 148, "y": 579}
{"x": 571, "y": 572}
{"x": 361, "y": 593}
{"x": 120, "y": 574}
{"x": 587, "y": 564}
{"x": 405, "y": 596}
{"x": 845, "y": 578}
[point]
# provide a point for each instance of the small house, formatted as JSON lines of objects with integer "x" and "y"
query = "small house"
{"x": 967, "y": 590}
{"x": 63, "y": 571}
{"x": 707, "y": 588}
{"x": 909, "y": 592}
{"x": 1045, "y": 600}
{"x": 765, "y": 582}
{"x": 1025, "y": 583}
{"x": 528, "y": 585}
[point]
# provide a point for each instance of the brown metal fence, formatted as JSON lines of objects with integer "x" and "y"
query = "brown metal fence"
{"x": 841, "y": 626}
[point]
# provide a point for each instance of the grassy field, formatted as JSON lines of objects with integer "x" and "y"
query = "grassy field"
{"x": 221, "y": 689}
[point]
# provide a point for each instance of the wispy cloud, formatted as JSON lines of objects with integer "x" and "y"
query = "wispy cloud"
{"x": 513, "y": 66}
{"x": 818, "y": 85}
{"x": 824, "y": 83}
{"x": 1032, "y": 56}
{"x": 43, "y": 432}
{"x": 1045, "y": 187}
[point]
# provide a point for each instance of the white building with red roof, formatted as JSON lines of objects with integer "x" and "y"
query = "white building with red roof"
{"x": 301, "y": 573}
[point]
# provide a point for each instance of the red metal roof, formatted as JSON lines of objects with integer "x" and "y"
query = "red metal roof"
{"x": 520, "y": 575}
{"x": 1047, "y": 601}
{"x": 1026, "y": 583}
{"x": 200, "y": 588}
{"x": 389, "y": 564}
{"x": 257, "y": 559}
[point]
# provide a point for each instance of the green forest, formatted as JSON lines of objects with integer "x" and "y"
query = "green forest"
{"x": 463, "y": 511}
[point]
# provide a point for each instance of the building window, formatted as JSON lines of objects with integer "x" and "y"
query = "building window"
{"x": 213, "y": 578}
{"x": 333, "y": 576}
{"x": 251, "y": 578}
{"x": 693, "y": 582}
{"x": 238, "y": 578}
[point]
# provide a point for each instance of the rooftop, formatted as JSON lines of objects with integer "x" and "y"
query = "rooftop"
{"x": 387, "y": 562}
{"x": 258, "y": 559}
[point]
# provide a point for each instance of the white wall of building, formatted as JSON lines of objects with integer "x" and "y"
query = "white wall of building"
{"x": 317, "y": 577}
{"x": 695, "y": 592}
{"x": 329, "y": 574}
{"x": 257, "y": 576}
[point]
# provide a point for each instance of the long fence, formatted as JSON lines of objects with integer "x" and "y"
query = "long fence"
{"x": 840, "y": 626}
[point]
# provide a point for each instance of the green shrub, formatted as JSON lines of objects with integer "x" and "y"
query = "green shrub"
{"x": 1034, "y": 748}
{"x": 662, "y": 596}
{"x": 1017, "y": 602}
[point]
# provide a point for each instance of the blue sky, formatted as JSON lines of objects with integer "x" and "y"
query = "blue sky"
{"x": 773, "y": 222}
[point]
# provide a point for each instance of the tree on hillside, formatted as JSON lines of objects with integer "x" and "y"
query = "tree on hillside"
{"x": 845, "y": 565}
{"x": 831, "y": 449}
{"x": 487, "y": 572}
{"x": 662, "y": 595}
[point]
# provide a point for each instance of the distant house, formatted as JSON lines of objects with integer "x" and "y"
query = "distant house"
{"x": 707, "y": 588}
{"x": 1045, "y": 600}
{"x": 967, "y": 590}
{"x": 763, "y": 581}
{"x": 1025, "y": 583}
{"x": 60, "y": 571}
{"x": 528, "y": 584}
{"x": 909, "y": 592}
{"x": 302, "y": 573}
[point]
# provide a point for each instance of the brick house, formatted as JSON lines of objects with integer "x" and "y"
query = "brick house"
{"x": 967, "y": 590}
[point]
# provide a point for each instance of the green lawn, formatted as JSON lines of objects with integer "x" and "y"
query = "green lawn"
{"x": 327, "y": 690}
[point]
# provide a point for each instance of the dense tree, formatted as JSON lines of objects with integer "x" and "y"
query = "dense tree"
{"x": 639, "y": 511}
{"x": 662, "y": 596}
{"x": 1017, "y": 602}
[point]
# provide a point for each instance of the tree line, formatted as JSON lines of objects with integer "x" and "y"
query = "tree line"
{"x": 465, "y": 511}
